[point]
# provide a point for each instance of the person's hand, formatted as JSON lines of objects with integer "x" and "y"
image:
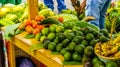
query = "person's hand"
{"x": 112, "y": 5}
{"x": 82, "y": 6}
{"x": 81, "y": 9}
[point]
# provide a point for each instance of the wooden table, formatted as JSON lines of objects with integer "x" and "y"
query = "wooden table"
{"x": 41, "y": 55}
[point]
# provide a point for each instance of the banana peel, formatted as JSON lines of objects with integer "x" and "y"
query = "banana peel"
{"x": 88, "y": 18}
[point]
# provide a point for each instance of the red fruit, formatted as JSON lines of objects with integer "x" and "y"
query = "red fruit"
{"x": 29, "y": 29}
{"x": 39, "y": 18}
{"x": 28, "y": 22}
{"x": 40, "y": 27}
{"x": 61, "y": 19}
{"x": 35, "y": 31}
{"x": 34, "y": 25}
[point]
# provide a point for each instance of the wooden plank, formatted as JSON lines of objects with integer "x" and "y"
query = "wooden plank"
{"x": 11, "y": 55}
{"x": 32, "y": 9}
{"x": 42, "y": 55}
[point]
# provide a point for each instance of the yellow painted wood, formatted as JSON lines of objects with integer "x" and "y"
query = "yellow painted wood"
{"x": 33, "y": 9}
{"x": 41, "y": 55}
{"x": 11, "y": 55}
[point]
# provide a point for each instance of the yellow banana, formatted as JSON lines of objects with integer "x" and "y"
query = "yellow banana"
{"x": 116, "y": 40}
{"x": 112, "y": 51}
{"x": 117, "y": 54}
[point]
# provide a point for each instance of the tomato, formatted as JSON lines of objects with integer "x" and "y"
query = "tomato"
{"x": 34, "y": 25}
{"x": 29, "y": 22}
{"x": 29, "y": 29}
{"x": 61, "y": 19}
{"x": 39, "y": 18}
{"x": 40, "y": 27}
{"x": 36, "y": 31}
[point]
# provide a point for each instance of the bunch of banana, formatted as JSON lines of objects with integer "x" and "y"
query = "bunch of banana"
{"x": 109, "y": 49}
{"x": 116, "y": 40}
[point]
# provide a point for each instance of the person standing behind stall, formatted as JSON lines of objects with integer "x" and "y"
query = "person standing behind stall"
{"x": 10, "y": 1}
{"x": 50, "y": 4}
{"x": 96, "y": 9}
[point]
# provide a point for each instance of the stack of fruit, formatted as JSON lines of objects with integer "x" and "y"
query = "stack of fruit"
{"x": 74, "y": 43}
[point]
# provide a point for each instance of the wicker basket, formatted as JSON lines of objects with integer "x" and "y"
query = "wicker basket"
{"x": 19, "y": 52}
{"x": 103, "y": 58}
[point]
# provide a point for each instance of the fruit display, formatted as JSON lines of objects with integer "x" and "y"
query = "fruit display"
{"x": 65, "y": 34}
{"x": 73, "y": 42}
{"x": 12, "y": 14}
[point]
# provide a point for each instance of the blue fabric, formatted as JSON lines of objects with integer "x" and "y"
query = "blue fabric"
{"x": 26, "y": 63}
{"x": 10, "y": 1}
{"x": 61, "y": 5}
{"x": 97, "y": 9}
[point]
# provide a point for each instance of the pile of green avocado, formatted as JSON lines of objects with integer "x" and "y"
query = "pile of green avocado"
{"x": 74, "y": 43}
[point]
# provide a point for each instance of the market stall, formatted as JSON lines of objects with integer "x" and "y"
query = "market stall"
{"x": 60, "y": 40}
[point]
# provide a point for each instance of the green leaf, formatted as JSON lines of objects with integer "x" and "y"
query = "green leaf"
{"x": 36, "y": 47}
{"x": 28, "y": 36}
{"x": 72, "y": 63}
{"x": 56, "y": 53}
{"x": 10, "y": 31}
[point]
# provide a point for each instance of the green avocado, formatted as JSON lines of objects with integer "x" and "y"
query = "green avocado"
{"x": 45, "y": 44}
{"x": 87, "y": 30}
{"x": 59, "y": 47}
{"x": 62, "y": 51}
{"x": 89, "y": 51}
{"x": 79, "y": 33}
{"x": 95, "y": 60}
{"x": 45, "y": 31}
{"x": 51, "y": 36}
{"x": 72, "y": 46}
{"x": 42, "y": 38}
{"x": 105, "y": 32}
{"x": 65, "y": 42}
{"x": 67, "y": 56}
{"x": 37, "y": 36}
{"x": 103, "y": 39}
{"x": 80, "y": 48}
{"x": 60, "y": 29}
{"x": 77, "y": 39}
{"x": 52, "y": 46}
{"x": 76, "y": 57}
{"x": 61, "y": 36}
{"x": 93, "y": 42}
{"x": 56, "y": 40}
{"x": 111, "y": 64}
{"x": 70, "y": 36}
{"x": 89, "y": 37}
{"x": 99, "y": 64}
{"x": 53, "y": 28}
{"x": 84, "y": 42}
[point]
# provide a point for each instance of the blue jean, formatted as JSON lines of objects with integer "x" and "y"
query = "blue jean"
{"x": 61, "y": 5}
{"x": 97, "y": 9}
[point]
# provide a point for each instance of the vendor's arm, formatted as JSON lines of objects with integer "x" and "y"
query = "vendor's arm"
{"x": 82, "y": 6}
{"x": 113, "y": 3}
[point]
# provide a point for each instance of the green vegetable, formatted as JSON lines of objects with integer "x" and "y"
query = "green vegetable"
{"x": 10, "y": 31}
{"x": 11, "y": 17}
{"x": 46, "y": 12}
{"x": 28, "y": 36}
{"x": 36, "y": 47}
{"x": 68, "y": 17}
{"x": 6, "y": 22}
{"x": 50, "y": 20}
{"x": 83, "y": 24}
